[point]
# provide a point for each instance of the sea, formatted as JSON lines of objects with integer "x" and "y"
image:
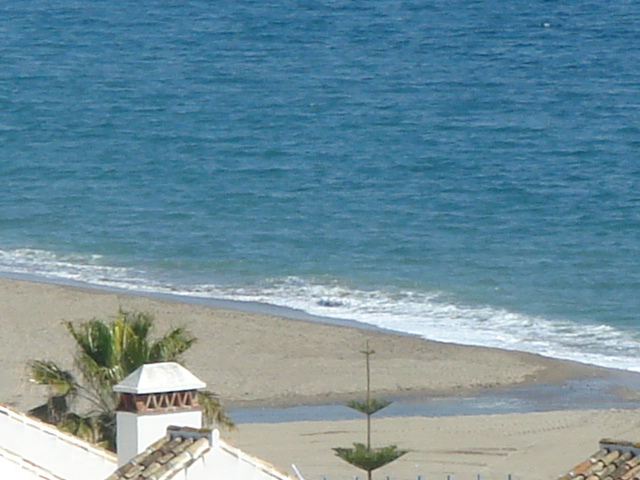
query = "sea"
{"x": 466, "y": 171}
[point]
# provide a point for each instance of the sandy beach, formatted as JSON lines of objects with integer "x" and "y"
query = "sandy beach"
{"x": 253, "y": 358}
{"x": 531, "y": 446}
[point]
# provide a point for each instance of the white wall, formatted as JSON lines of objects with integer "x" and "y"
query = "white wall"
{"x": 224, "y": 462}
{"x": 29, "y": 441}
{"x": 136, "y": 431}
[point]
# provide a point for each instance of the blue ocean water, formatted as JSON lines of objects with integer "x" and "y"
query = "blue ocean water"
{"x": 467, "y": 171}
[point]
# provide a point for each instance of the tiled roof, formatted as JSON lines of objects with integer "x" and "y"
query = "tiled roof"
{"x": 614, "y": 461}
{"x": 166, "y": 457}
{"x": 203, "y": 452}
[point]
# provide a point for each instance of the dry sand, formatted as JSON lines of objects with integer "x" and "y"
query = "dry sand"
{"x": 530, "y": 446}
{"x": 254, "y": 358}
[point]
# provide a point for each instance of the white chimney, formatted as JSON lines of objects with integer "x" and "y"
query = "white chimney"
{"x": 152, "y": 398}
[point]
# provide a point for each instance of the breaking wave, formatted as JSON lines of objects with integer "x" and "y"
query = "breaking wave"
{"x": 432, "y": 315}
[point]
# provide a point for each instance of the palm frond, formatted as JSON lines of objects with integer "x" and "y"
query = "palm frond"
{"x": 97, "y": 352}
{"x": 141, "y": 323}
{"x": 94, "y": 339}
{"x": 171, "y": 346}
{"x": 106, "y": 352}
{"x": 48, "y": 373}
{"x": 134, "y": 350}
{"x": 212, "y": 410}
{"x": 90, "y": 428}
{"x": 53, "y": 411}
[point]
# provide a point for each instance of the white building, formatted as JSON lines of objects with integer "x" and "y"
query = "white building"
{"x": 34, "y": 450}
{"x": 159, "y": 437}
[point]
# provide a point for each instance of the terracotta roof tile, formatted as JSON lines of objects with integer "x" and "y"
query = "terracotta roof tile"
{"x": 166, "y": 457}
{"x": 614, "y": 461}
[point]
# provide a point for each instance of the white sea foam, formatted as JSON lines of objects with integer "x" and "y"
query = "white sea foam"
{"x": 428, "y": 314}
{"x": 72, "y": 267}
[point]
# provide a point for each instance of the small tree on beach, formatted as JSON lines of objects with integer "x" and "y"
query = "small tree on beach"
{"x": 106, "y": 352}
{"x": 364, "y": 456}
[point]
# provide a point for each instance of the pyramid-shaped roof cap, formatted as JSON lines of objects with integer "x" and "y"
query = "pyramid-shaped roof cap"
{"x": 159, "y": 378}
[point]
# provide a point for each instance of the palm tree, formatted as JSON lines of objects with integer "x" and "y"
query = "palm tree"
{"x": 106, "y": 352}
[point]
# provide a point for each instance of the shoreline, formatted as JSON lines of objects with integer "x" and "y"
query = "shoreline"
{"x": 252, "y": 358}
{"x": 216, "y": 303}
{"x": 275, "y": 364}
